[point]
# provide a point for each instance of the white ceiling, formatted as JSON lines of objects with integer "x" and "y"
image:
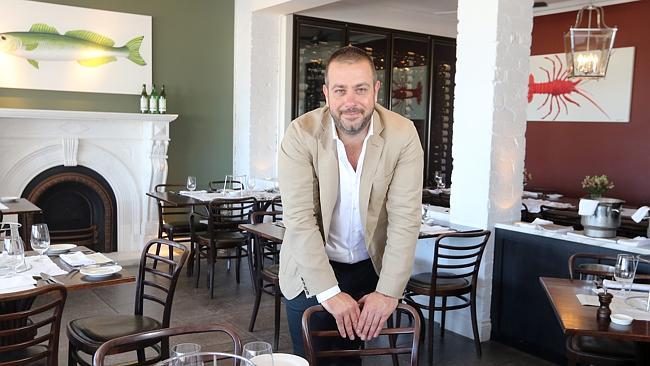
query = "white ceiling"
{"x": 448, "y": 7}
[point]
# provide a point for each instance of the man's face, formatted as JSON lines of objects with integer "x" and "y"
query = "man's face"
{"x": 351, "y": 95}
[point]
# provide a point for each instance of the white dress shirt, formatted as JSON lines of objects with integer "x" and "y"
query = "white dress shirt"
{"x": 346, "y": 240}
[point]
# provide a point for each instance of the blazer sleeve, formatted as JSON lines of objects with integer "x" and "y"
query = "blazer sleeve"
{"x": 303, "y": 240}
{"x": 403, "y": 206}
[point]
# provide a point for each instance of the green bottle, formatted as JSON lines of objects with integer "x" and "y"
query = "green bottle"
{"x": 144, "y": 100}
{"x": 153, "y": 100}
{"x": 162, "y": 100}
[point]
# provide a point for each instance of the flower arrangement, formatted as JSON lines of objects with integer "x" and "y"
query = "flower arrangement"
{"x": 597, "y": 185}
{"x": 527, "y": 176}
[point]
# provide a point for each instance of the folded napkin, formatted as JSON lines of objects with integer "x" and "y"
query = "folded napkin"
{"x": 3, "y": 207}
{"x": 639, "y": 241}
{"x": 581, "y": 234}
{"x": 191, "y": 192}
{"x": 588, "y": 300}
{"x": 529, "y": 194}
{"x": 435, "y": 229}
{"x": 17, "y": 283}
{"x": 617, "y": 285}
{"x": 539, "y": 221}
{"x": 587, "y": 207}
{"x": 640, "y": 214}
{"x": 77, "y": 259}
{"x": 38, "y": 264}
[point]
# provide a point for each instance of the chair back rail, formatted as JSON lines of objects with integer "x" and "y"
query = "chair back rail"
{"x": 131, "y": 341}
{"x": 227, "y": 214}
{"x": 216, "y": 185}
{"x": 18, "y": 331}
{"x": 463, "y": 259}
{"x": 313, "y": 355}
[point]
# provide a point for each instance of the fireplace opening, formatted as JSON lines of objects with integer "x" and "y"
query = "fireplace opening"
{"x": 79, "y": 207}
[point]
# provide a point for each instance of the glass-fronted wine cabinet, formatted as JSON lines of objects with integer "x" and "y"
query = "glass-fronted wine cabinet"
{"x": 416, "y": 72}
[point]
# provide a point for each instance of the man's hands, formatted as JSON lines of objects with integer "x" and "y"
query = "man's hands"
{"x": 366, "y": 324}
{"x": 346, "y": 312}
{"x": 377, "y": 307}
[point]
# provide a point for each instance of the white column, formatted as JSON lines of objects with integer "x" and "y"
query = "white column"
{"x": 493, "y": 43}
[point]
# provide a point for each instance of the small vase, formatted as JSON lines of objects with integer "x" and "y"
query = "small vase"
{"x": 595, "y": 196}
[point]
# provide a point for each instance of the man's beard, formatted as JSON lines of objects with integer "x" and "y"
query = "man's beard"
{"x": 352, "y": 130}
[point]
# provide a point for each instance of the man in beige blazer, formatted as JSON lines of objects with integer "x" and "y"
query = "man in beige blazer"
{"x": 351, "y": 181}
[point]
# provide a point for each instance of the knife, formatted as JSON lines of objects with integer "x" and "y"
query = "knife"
{"x": 49, "y": 278}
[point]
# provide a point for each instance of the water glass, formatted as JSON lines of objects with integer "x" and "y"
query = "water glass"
{"x": 191, "y": 183}
{"x": 187, "y": 353}
{"x": 625, "y": 270}
{"x": 250, "y": 184}
{"x": 260, "y": 353}
{"x": 40, "y": 239}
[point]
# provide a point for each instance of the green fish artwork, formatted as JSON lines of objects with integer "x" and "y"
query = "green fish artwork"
{"x": 45, "y": 43}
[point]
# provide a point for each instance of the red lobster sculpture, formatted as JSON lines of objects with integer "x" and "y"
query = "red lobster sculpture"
{"x": 404, "y": 93}
{"x": 557, "y": 89}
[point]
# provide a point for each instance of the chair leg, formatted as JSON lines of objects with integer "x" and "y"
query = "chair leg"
{"x": 443, "y": 314}
{"x": 71, "y": 355}
{"x": 432, "y": 313}
{"x": 237, "y": 264}
{"x": 256, "y": 306}
{"x": 477, "y": 340}
{"x": 190, "y": 259}
{"x": 198, "y": 265}
{"x": 276, "y": 325}
{"x": 392, "y": 339}
{"x": 211, "y": 277}
{"x": 141, "y": 356}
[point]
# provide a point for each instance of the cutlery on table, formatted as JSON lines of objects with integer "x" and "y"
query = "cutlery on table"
{"x": 47, "y": 278}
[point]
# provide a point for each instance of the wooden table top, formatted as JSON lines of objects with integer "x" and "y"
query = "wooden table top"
{"x": 77, "y": 281}
{"x": 175, "y": 199}
{"x": 576, "y": 319}
{"x": 22, "y": 206}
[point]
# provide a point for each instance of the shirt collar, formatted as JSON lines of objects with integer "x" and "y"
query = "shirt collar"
{"x": 335, "y": 134}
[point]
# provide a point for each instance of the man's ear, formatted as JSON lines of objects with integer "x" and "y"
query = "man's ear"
{"x": 325, "y": 92}
{"x": 377, "y": 86}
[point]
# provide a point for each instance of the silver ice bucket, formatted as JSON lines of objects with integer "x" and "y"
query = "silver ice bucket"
{"x": 604, "y": 222}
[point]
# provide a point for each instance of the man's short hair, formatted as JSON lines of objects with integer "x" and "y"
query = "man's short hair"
{"x": 351, "y": 55}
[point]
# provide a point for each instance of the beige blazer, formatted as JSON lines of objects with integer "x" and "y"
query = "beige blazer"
{"x": 390, "y": 201}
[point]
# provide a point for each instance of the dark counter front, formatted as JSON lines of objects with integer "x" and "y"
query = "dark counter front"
{"x": 521, "y": 314}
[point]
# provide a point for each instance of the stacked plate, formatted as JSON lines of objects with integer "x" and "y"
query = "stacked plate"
{"x": 56, "y": 249}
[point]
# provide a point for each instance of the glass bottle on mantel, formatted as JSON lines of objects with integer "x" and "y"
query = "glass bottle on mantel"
{"x": 153, "y": 100}
{"x": 144, "y": 100}
{"x": 162, "y": 100}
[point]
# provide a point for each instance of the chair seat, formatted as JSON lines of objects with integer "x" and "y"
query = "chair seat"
{"x": 183, "y": 226}
{"x": 25, "y": 353}
{"x": 224, "y": 239}
{"x": 271, "y": 272}
{"x": 603, "y": 347}
{"x": 103, "y": 328}
{"x": 421, "y": 283}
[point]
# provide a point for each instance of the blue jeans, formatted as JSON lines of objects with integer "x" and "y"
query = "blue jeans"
{"x": 356, "y": 280}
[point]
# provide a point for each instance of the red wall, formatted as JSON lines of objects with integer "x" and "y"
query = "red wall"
{"x": 560, "y": 154}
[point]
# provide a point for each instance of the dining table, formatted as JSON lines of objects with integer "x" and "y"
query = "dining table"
{"x": 580, "y": 320}
{"x": 21, "y": 207}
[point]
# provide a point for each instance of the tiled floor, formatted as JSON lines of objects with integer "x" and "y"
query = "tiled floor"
{"x": 233, "y": 304}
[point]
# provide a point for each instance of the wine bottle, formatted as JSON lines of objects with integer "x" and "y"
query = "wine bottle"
{"x": 162, "y": 100}
{"x": 153, "y": 100}
{"x": 144, "y": 100}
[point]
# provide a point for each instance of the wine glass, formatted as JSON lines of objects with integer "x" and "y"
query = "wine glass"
{"x": 250, "y": 184}
{"x": 191, "y": 183}
{"x": 40, "y": 239}
{"x": 440, "y": 181}
{"x": 625, "y": 270}
{"x": 187, "y": 353}
{"x": 259, "y": 353}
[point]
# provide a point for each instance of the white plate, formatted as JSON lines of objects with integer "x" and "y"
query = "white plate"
{"x": 99, "y": 272}
{"x": 621, "y": 319}
{"x": 279, "y": 359}
{"x": 9, "y": 199}
{"x": 60, "y": 248}
{"x": 554, "y": 196}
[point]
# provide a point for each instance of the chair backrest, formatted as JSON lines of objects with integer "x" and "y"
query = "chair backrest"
{"x": 227, "y": 214}
{"x": 601, "y": 266}
{"x": 165, "y": 210}
{"x": 20, "y": 322}
{"x": 313, "y": 355}
{"x": 216, "y": 185}
{"x": 276, "y": 204}
{"x": 631, "y": 229}
{"x": 458, "y": 255}
{"x": 156, "y": 284}
{"x": 561, "y": 216}
{"x": 127, "y": 342}
{"x": 258, "y": 216}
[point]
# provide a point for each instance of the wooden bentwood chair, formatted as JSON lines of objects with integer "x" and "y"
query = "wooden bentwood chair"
{"x": 454, "y": 273}
{"x": 116, "y": 345}
{"x": 264, "y": 249}
{"x": 313, "y": 354}
{"x": 223, "y": 234}
{"x": 19, "y": 342}
{"x": 156, "y": 285}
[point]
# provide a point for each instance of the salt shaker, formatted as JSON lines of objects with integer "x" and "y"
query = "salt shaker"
{"x": 604, "y": 311}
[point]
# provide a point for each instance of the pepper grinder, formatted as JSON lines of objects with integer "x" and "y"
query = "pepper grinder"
{"x": 604, "y": 311}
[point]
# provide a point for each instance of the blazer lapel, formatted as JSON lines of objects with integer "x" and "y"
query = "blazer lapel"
{"x": 328, "y": 172}
{"x": 370, "y": 162}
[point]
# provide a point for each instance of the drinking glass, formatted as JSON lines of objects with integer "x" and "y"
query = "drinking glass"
{"x": 260, "y": 353}
{"x": 625, "y": 270}
{"x": 191, "y": 183}
{"x": 40, "y": 239}
{"x": 250, "y": 184}
{"x": 440, "y": 181}
{"x": 187, "y": 353}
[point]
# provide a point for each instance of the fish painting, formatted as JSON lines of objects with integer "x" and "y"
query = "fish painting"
{"x": 44, "y": 43}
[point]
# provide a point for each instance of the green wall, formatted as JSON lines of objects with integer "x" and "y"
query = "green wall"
{"x": 193, "y": 57}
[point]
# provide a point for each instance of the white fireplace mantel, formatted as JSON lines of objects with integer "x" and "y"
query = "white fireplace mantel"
{"x": 128, "y": 149}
